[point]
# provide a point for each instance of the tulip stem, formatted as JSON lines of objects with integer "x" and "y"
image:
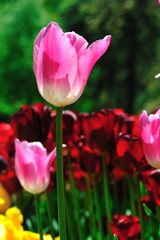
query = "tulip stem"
{"x": 60, "y": 176}
{"x": 124, "y": 193}
{"x": 20, "y": 200}
{"x": 90, "y": 207}
{"x": 158, "y": 217}
{"x": 69, "y": 218}
{"x": 49, "y": 214}
{"x": 132, "y": 196}
{"x": 115, "y": 195}
{"x": 140, "y": 207}
{"x": 106, "y": 196}
{"x": 97, "y": 208}
{"x": 74, "y": 198}
{"x": 38, "y": 216}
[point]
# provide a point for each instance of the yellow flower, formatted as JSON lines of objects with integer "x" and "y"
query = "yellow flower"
{"x": 15, "y": 215}
{"x": 34, "y": 236}
{"x": 5, "y": 201}
{"x": 57, "y": 238}
{"x": 11, "y": 227}
{"x": 2, "y": 227}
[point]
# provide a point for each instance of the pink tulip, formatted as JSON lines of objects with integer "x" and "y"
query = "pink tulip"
{"x": 150, "y": 134}
{"x": 32, "y": 165}
{"x": 159, "y": 1}
{"x": 62, "y": 63}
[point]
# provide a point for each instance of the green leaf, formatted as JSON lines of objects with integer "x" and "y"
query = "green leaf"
{"x": 147, "y": 210}
{"x": 115, "y": 237}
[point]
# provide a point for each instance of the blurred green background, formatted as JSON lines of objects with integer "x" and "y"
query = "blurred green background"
{"x": 122, "y": 78}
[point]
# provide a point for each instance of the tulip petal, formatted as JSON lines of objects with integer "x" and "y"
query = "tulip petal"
{"x": 78, "y": 42}
{"x": 91, "y": 56}
{"x": 23, "y": 157}
{"x": 50, "y": 159}
{"x": 55, "y": 76}
{"x": 86, "y": 63}
{"x": 32, "y": 165}
{"x": 39, "y": 155}
{"x": 36, "y": 49}
{"x": 29, "y": 177}
{"x": 144, "y": 126}
{"x": 152, "y": 153}
{"x": 150, "y": 133}
{"x": 62, "y": 63}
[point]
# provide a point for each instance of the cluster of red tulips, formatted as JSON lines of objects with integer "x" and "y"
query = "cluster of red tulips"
{"x": 103, "y": 159}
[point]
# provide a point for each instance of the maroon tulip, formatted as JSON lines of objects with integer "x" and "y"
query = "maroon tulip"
{"x": 7, "y": 174}
{"x": 98, "y": 128}
{"x": 151, "y": 179}
{"x": 130, "y": 125}
{"x": 69, "y": 120}
{"x": 10, "y": 181}
{"x": 126, "y": 227}
{"x": 89, "y": 160}
{"x": 130, "y": 156}
{"x": 79, "y": 176}
{"x": 3, "y": 164}
{"x": 6, "y": 141}
{"x": 32, "y": 122}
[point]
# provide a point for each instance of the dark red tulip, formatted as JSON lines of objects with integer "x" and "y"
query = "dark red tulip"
{"x": 10, "y": 181}
{"x": 126, "y": 227}
{"x": 98, "y": 128}
{"x": 79, "y": 176}
{"x": 68, "y": 122}
{"x": 130, "y": 156}
{"x": 151, "y": 179}
{"x": 32, "y": 122}
{"x": 89, "y": 160}
{"x": 7, "y": 173}
{"x": 3, "y": 164}
{"x": 130, "y": 125}
{"x": 6, "y": 141}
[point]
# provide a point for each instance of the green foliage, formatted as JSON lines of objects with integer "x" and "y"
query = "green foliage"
{"x": 21, "y": 21}
{"x": 122, "y": 78}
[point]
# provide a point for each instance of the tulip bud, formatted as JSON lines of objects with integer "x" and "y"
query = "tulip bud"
{"x": 150, "y": 134}
{"x": 32, "y": 165}
{"x": 62, "y": 63}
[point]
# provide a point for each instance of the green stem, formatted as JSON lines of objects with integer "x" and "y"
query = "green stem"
{"x": 158, "y": 217}
{"x": 69, "y": 218}
{"x": 115, "y": 194}
{"x": 38, "y": 216}
{"x": 97, "y": 208}
{"x": 90, "y": 207}
{"x": 20, "y": 200}
{"x": 75, "y": 203}
{"x": 132, "y": 196}
{"x": 49, "y": 214}
{"x": 106, "y": 195}
{"x": 124, "y": 194}
{"x": 60, "y": 176}
{"x": 140, "y": 207}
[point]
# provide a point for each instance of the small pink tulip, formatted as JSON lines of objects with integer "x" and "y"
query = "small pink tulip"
{"x": 32, "y": 165}
{"x": 62, "y": 63}
{"x": 150, "y": 134}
